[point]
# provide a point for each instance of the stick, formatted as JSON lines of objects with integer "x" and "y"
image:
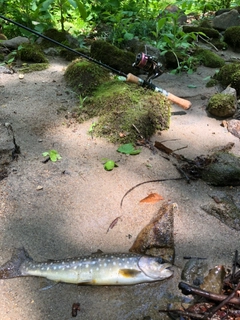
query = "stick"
{"x": 185, "y": 104}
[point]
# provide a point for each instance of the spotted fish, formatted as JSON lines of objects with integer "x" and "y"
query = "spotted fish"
{"x": 96, "y": 269}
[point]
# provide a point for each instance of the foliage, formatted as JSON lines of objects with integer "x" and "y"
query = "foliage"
{"x": 53, "y": 155}
{"x": 172, "y": 39}
{"x": 109, "y": 164}
{"x": 128, "y": 148}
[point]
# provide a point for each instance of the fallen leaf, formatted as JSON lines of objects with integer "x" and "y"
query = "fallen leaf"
{"x": 113, "y": 223}
{"x": 152, "y": 198}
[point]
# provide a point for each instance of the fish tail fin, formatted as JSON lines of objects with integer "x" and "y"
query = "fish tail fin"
{"x": 12, "y": 268}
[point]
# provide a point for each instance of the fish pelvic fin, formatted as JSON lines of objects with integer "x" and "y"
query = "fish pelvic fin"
{"x": 12, "y": 268}
{"x": 129, "y": 273}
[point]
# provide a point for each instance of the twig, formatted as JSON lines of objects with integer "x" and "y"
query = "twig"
{"x": 188, "y": 289}
{"x": 212, "y": 311}
{"x": 208, "y": 42}
{"x": 149, "y": 181}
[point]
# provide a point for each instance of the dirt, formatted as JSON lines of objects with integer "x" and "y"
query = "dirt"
{"x": 63, "y": 209}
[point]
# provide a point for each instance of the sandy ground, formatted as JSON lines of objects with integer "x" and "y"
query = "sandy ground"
{"x": 78, "y": 199}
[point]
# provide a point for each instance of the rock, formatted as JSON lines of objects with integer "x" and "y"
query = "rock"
{"x": 233, "y": 127}
{"x": 222, "y": 105}
{"x": 226, "y": 211}
{"x": 14, "y": 42}
{"x": 223, "y": 170}
{"x": 193, "y": 271}
{"x": 157, "y": 238}
{"x": 213, "y": 282}
{"x": 226, "y": 20}
{"x": 6, "y": 145}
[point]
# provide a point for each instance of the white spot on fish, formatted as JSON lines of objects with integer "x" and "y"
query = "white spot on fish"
{"x": 105, "y": 264}
{"x": 63, "y": 262}
{"x": 86, "y": 266}
{"x": 119, "y": 264}
{"x": 54, "y": 268}
{"x": 114, "y": 263}
{"x": 74, "y": 268}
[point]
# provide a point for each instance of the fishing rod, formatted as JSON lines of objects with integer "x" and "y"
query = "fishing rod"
{"x": 185, "y": 104}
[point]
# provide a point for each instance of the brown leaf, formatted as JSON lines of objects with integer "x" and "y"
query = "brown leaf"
{"x": 152, "y": 198}
{"x": 113, "y": 223}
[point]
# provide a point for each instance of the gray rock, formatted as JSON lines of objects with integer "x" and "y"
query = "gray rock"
{"x": 224, "y": 170}
{"x": 226, "y": 20}
{"x": 14, "y": 42}
{"x": 7, "y": 145}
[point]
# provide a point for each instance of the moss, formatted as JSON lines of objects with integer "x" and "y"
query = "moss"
{"x": 70, "y": 56}
{"x": 219, "y": 44}
{"x": 59, "y": 36}
{"x": 211, "y": 83}
{"x": 209, "y": 58}
{"x": 112, "y": 56}
{"x": 84, "y": 76}
{"x": 33, "y": 67}
{"x": 229, "y": 74}
{"x": 222, "y": 105}
{"x": 31, "y": 53}
{"x": 232, "y": 37}
{"x": 209, "y": 32}
{"x": 120, "y": 105}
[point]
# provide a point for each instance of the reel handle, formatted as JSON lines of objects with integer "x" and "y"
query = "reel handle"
{"x": 185, "y": 104}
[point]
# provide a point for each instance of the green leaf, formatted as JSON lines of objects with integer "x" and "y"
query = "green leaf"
{"x": 45, "y": 154}
{"x": 109, "y": 165}
{"x": 128, "y": 148}
{"x": 54, "y": 155}
{"x": 81, "y": 9}
{"x": 192, "y": 86}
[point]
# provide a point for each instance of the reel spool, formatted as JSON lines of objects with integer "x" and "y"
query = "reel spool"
{"x": 148, "y": 64}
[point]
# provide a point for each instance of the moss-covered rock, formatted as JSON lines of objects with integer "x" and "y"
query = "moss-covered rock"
{"x": 232, "y": 37}
{"x": 84, "y": 76}
{"x": 60, "y": 36}
{"x": 27, "y": 68}
{"x": 209, "y": 58}
{"x": 120, "y": 106}
{"x": 112, "y": 56}
{"x": 230, "y": 74}
{"x": 209, "y": 32}
{"x": 222, "y": 105}
{"x": 70, "y": 56}
{"x": 31, "y": 53}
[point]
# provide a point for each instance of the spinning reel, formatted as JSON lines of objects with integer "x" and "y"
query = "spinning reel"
{"x": 148, "y": 64}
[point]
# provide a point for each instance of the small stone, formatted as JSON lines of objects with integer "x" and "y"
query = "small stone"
{"x": 39, "y": 188}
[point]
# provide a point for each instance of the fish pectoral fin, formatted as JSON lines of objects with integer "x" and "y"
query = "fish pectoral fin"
{"x": 129, "y": 273}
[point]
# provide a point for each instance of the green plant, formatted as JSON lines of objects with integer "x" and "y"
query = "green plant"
{"x": 128, "y": 148}
{"x": 172, "y": 39}
{"x": 109, "y": 164}
{"x": 81, "y": 101}
{"x": 53, "y": 155}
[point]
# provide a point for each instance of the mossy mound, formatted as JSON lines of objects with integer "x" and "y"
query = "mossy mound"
{"x": 33, "y": 67}
{"x": 60, "y": 36}
{"x": 70, "y": 56}
{"x": 232, "y": 37}
{"x": 84, "y": 76}
{"x": 119, "y": 106}
{"x": 209, "y": 32}
{"x": 209, "y": 58}
{"x": 222, "y": 105}
{"x": 112, "y": 56}
{"x": 31, "y": 53}
{"x": 229, "y": 74}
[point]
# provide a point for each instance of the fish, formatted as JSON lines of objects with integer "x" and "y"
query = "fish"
{"x": 95, "y": 269}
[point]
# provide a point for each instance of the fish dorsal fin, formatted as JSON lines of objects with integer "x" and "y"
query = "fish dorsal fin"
{"x": 129, "y": 273}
